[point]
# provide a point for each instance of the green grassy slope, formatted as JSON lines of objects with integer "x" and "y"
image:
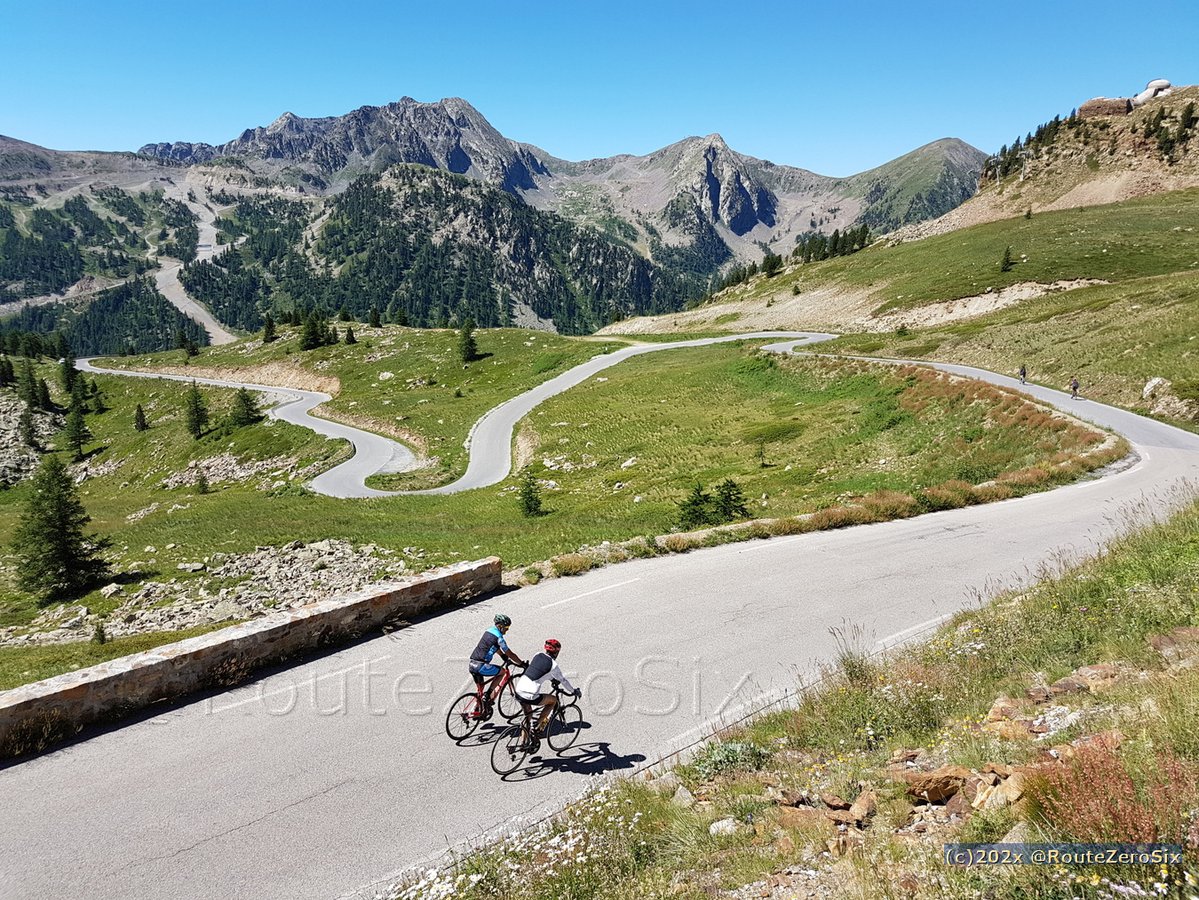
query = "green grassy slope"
{"x": 1114, "y": 337}
{"x": 1116, "y": 242}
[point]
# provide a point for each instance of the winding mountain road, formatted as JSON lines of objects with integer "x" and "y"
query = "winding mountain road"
{"x": 323, "y": 779}
{"x": 489, "y": 441}
{"x": 166, "y": 277}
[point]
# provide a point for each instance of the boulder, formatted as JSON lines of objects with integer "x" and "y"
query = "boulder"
{"x": 938, "y": 785}
{"x": 683, "y": 797}
{"x": 864, "y": 807}
{"x": 1177, "y": 645}
{"x": 724, "y": 827}
{"x": 834, "y": 801}
{"x": 802, "y": 817}
{"x": 1105, "y": 106}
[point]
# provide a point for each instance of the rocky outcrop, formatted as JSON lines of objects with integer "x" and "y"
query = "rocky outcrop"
{"x": 723, "y": 186}
{"x": 450, "y": 134}
{"x": 17, "y": 459}
{"x": 1105, "y": 106}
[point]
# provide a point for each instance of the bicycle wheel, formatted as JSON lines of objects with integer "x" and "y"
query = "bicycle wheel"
{"x": 509, "y": 752}
{"x": 564, "y": 727}
{"x": 464, "y": 717}
{"x": 507, "y": 704}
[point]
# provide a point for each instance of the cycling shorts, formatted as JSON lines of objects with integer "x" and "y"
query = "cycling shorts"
{"x": 484, "y": 669}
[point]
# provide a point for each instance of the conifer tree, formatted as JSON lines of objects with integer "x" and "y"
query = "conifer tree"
{"x": 374, "y": 320}
{"x": 27, "y": 388}
{"x": 696, "y": 510}
{"x": 97, "y": 397}
{"x": 350, "y": 339}
{"x": 77, "y": 433}
{"x": 730, "y": 502}
{"x": 55, "y": 558}
{"x": 25, "y": 427}
{"x": 67, "y": 373}
{"x": 1005, "y": 264}
{"x": 245, "y": 409}
{"x": 139, "y": 419}
{"x": 7, "y": 374}
{"x": 196, "y": 412}
{"x": 44, "y": 400}
{"x": 313, "y": 335}
{"x": 529, "y": 495}
{"x": 467, "y": 348}
{"x": 268, "y": 329}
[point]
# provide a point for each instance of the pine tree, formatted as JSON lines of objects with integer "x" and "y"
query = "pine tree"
{"x": 314, "y": 334}
{"x": 139, "y": 419}
{"x": 44, "y": 400}
{"x": 771, "y": 263}
{"x": 343, "y": 315}
{"x": 27, "y": 383}
{"x": 97, "y": 395}
{"x": 467, "y": 348}
{"x": 1005, "y": 264}
{"x": 202, "y": 486}
{"x": 7, "y": 374}
{"x": 530, "y": 495}
{"x": 268, "y": 329}
{"x": 350, "y": 339}
{"x": 55, "y": 558}
{"x": 245, "y": 409}
{"x": 196, "y": 412}
{"x": 26, "y": 428}
{"x": 77, "y": 433}
{"x": 374, "y": 320}
{"x": 696, "y": 510}
{"x": 730, "y": 502}
{"x": 67, "y": 373}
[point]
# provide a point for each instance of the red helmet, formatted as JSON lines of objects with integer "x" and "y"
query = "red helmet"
{"x": 552, "y": 646}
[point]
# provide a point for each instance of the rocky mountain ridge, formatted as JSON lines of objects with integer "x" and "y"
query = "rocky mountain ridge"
{"x": 647, "y": 200}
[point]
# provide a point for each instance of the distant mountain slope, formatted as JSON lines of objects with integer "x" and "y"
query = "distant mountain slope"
{"x": 489, "y": 227}
{"x": 655, "y": 202}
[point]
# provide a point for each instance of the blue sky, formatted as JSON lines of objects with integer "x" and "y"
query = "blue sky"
{"x": 833, "y": 87}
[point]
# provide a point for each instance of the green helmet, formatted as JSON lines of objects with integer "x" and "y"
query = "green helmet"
{"x": 502, "y": 621}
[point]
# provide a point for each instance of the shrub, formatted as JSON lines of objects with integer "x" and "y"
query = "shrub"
{"x": 724, "y": 757}
{"x": 570, "y": 564}
{"x": 677, "y": 543}
{"x": 1132, "y": 806}
{"x": 532, "y": 575}
{"x": 886, "y": 505}
{"x": 949, "y": 495}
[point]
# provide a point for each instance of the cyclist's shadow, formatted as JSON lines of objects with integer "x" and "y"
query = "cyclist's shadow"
{"x": 484, "y": 735}
{"x": 592, "y": 758}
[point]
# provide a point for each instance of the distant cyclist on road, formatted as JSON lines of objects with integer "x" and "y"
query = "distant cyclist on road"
{"x": 1023, "y": 374}
{"x": 533, "y": 687}
{"x": 481, "y": 667}
{"x": 1074, "y": 388}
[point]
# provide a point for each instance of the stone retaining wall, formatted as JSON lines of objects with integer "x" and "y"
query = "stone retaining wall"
{"x": 35, "y": 715}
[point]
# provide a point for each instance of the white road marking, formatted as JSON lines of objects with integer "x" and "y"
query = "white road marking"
{"x": 771, "y": 544}
{"x": 293, "y": 686}
{"x": 899, "y": 636}
{"x": 589, "y": 593}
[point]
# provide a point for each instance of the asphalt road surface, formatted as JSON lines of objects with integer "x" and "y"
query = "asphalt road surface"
{"x": 325, "y": 778}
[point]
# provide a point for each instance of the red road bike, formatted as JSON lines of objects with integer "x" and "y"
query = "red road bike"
{"x": 469, "y": 711}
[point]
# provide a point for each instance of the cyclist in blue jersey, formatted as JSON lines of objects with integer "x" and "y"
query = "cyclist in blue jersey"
{"x": 481, "y": 667}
